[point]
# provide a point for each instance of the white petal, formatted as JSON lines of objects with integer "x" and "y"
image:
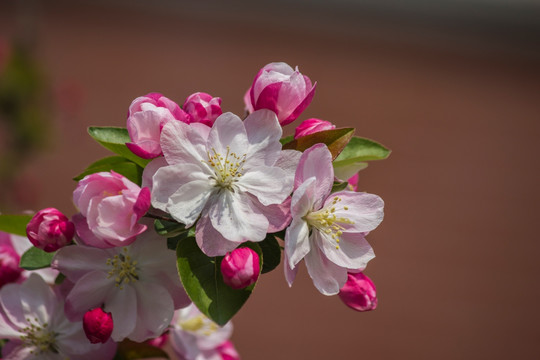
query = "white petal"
{"x": 150, "y": 170}
{"x": 316, "y": 162}
{"x": 89, "y": 292}
{"x": 211, "y": 242}
{"x": 182, "y": 144}
{"x": 290, "y": 274}
{"x": 303, "y": 198}
{"x": 366, "y": 211}
{"x": 228, "y": 133}
{"x": 76, "y": 261}
{"x": 271, "y": 185}
{"x": 122, "y": 304}
{"x": 233, "y": 215}
{"x": 37, "y": 299}
{"x": 263, "y": 132}
{"x": 186, "y": 204}
{"x": 327, "y": 277}
{"x": 352, "y": 251}
{"x": 297, "y": 241}
{"x": 288, "y": 160}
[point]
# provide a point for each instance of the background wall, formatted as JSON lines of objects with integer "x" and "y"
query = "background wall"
{"x": 452, "y": 88}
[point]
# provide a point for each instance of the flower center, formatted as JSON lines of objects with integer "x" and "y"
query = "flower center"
{"x": 39, "y": 337}
{"x": 200, "y": 325}
{"x": 227, "y": 169}
{"x": 326, "y": 221}
{"x": 123, "y": 268}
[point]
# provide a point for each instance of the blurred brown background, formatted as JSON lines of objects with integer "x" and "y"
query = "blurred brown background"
{"x": 451, "y": 87}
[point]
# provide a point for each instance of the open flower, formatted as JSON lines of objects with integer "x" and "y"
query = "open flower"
{"x": 137, "y": 284}
{"x": 328, "y": 230}
{"x": 111, "y": 207}
{"x": 195, "y": 337}
{"x": 231, "y": 179}
{"x": 32, "y": 319}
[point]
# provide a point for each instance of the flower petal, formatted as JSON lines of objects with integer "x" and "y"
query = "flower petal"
{"x": 278, "y": 215}
{"x": 366, "y": 211}
{"x": 181, "y": 144}
{"x": 316, "y": 161}
{"x": 263, "y": 133}
{"x": 122, "y": 304}
{"x": 297, "y": 243}
{"x": 75, "y": 261}
{"x": 186, "y": 204}
{"x": 89, "y": 292}
{"x": 352, "y": 251}
{"x": 211, "y": 242}
{"x": 271, "y": 185}
{"x": 327, "y": 277}
{"x": 228, "y": 134}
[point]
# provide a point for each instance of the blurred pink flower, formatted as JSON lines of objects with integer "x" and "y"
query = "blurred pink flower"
{"x": 50, "y": 230}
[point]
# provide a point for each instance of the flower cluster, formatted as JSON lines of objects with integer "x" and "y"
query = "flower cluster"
{"x": 172, "y": 235}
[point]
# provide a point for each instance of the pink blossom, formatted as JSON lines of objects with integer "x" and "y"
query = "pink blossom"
{"x": 12, "y": 247}
{"x": 311, "y": 126}
{"x": 146, "y": 117}
{"x": 203, "y": 108}
{"x": 231, "y": 180}
{"x": 32, "y": 319}
{"x": 110, "y": 209}
{"x": 279, "y": 88}
{"x": 98, "y": 325}
{"x": 195, "y": 337}
{"x": 353, "y": 182}
{"x": 328, "y": 230}
{"x": 359, "y": 292}
{"x": 240, "y": 268}
{"x": 138, "y": 284}
{"x": 50, "y": 230}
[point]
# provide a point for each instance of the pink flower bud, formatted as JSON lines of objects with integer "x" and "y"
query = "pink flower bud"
{"x": 146, "y": 117}
{"x": 50, "y": 230}
{"x": 9, "y": 265}
{"x": 160, "y": 341}
{"x": 227, "y": 351}
{"x": 240, "y": 268}
{"x": 279, "y": 88}
{"x": 110, "y": 209}
{"x": 353, "y": 182}
{"x": 203, "y": 108}
{"x": 98, "y": 325}
{"x": 312, "y": 126}
{"x": 358, "y": 293}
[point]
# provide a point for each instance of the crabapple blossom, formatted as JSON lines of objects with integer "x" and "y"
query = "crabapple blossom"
{"x": 359, "y": 292}
{"x": 328, "y": 230}
{"x": 12, "y": 247}
{"x": 282, "y": 89}
{"x": 312, "y": 126}
{"x": 240, "y": 268}
{"x": 138, "y": 284}
{"x": 50, "y": 230}
{"x": 146, "y": 117}
{"x": 110, "y": 209}
{"x": 195, "y": 337}
{"x": 231, "y": 181}
{"x": 202, "y": 108}
{"x": 32, "y": 319}
{"x": 98, "y": 325}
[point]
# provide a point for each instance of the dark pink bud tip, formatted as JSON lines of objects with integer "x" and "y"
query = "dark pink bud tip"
{"x": 240, "y": 268}
{"x": 358, "y": 293}
{"x": 50, "y": 230}
{"x": 98, "y": 325}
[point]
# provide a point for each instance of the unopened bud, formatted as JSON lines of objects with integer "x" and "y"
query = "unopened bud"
{"x": 50, "y": 230}
{"x": 98, "y": 325}
{"x": 240, "y": 268}
{"x": 358, "y": 293}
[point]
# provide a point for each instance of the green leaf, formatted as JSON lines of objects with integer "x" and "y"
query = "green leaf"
{"x": 286, "y": 139}
{"x": 14, "y": 224}
{"x": 131, "y": 350}
{"x": 335, "y": 139}
{"x": 118, "y": 164}
{"x": 346, "y": 171}
{"x": 203, "y": 282}
{"x": 35, "y": 258}
{"x": 115, "y": 139}
{"x": 172, "y": 243}
{"x": 360, "y": 149}
{"x": 59, "y": 279}
{"x": 338, "y": 186}
{"x": 271, "y": 253}
{"x": 168, "y": 228}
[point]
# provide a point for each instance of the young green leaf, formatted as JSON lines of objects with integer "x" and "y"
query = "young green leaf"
{"x": 118, "y": 164}
{"x": 35, "y": 258}
{"x": 271, "y": 253}
{"x": 169, "y": 228}
{"x": 335, "y": 139}
{"x": 286, "y": 139}
{"x": 346, "y": 171}
{"x": 203, "y": 282}
{"x": 14, "y": 224}
{"x": 115, "y": 139}
{"x": 360, "y": 149}
{"x": 338, "y": 186}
